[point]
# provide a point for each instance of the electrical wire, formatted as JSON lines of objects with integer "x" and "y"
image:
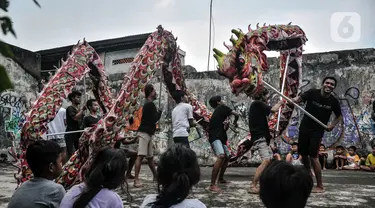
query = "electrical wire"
{"x": 209, "y": 38}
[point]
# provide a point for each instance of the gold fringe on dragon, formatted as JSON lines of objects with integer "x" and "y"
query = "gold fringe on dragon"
{"x": 243, "y": 66}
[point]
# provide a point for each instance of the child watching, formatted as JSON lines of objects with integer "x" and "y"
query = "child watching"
{"x": 275, "y": 151}
{"x": 45, "y": 161}
{"x": 106, "y": 173}
{"x": 323, "y": 155}
{"x": 340, "y": 157}
{"x": 353, "y": 159}
{"x": 293, "y": 156}
{"x": 370, "y": 161}
{"x": 177, "y": 173}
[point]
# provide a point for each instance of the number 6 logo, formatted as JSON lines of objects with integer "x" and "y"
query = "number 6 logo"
{"x": 345, "y": 27}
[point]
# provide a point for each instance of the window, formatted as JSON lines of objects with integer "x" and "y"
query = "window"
{"x": 122, "y": 61}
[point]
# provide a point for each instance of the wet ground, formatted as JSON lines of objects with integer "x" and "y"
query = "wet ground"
{"x": 343, "y": 189}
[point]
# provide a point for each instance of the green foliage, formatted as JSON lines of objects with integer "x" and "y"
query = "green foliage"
{"x": 6, "y": 26}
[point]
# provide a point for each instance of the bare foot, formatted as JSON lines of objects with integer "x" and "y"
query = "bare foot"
{"x": 312, "y": 173}
{"x": 324, "y": 168}
{"x": 215, "y": 188}
{"x": 129, "y": 176}
{"x": 253, "y": 190}
{"x": 137, "y": 184}
{"x": 223, "y": 181}
{"x": 318, "y": 190}
{"x": 340, "y": 168}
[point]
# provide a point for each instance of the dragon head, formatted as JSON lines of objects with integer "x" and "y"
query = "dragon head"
{"x": 244, "y": 63}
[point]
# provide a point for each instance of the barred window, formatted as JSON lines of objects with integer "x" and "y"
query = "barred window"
{"x": 122, "y": 61}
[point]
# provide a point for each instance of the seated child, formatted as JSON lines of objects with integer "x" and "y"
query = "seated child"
{"x": 177, "y": 173}
{"x": 352, "y": 159}
{"x": 106, "y": 173}
{"x": 370, "y": 161}
{"x": 293, "y": 156}
{"x": 285, "y": 185}
{"x": 45, "y": 161}
{"x": 275, "y": 151}
{"x": 340, "y": 157}
{"x": 323, "y": 155}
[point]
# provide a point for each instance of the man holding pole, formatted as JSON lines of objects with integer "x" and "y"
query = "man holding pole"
{"x": 260, "y": 133}
{"x": 320, "y": 103}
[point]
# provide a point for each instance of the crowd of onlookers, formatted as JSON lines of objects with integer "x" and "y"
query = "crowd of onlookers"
{"x": 342, "y": 158}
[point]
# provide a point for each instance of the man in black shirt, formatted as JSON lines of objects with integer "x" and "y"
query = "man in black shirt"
{"x": 93, "y": 118}
{"x": 74, "y": 117}
{"x": 218, "y": 139}
{"x": 320, "y": 103}
{"x": 260, "y": 133}
{"x": 150, "y": 116}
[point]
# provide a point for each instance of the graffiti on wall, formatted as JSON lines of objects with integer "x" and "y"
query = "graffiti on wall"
{"x": 13, "y": 109}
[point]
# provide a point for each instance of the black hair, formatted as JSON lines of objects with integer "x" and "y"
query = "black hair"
{"x": 177, "y": 173}
{"x": 285, "y": 185}
{"x": 353, "y": 148}
{"x": 106, "y": 171}
{"x": 339, "y": 146}
{"x": 90, "y": 102}
{"x": 178, "y": 95}
{"x": 294, "y": 143}
{"x": 321, "y": 144}
{"x": 148, "y": 90}
{"x": 331, "y": 78}
{"x": 373, "y": 146}
{"x": 259, "y": 95}
{"x": 214, "y": 101}
{"x": 73, "y": 94}
{"x": 40, "y": 154}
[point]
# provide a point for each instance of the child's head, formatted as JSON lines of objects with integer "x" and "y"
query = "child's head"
{"x": 285, "y": 185}
{"x": 339, "y": 149}
{"x": 215, "y": 101}
{"x": 44, "y": 159}
{"x": 106, "y": 171}
{"x": 177, "y": 173}
{"x": 352, "y": 150}
{"x": 322, "y": 147}
{"x": 295, "y": 147}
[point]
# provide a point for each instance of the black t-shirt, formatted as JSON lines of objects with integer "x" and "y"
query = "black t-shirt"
{"x": 90, "y": 121}
{"x": 150, "y": 116}
{"x": 71, "y": 124}
{"x": 216, "y": 127}
{"x": 258, "y": 123}
{"x": 321, "y": 108}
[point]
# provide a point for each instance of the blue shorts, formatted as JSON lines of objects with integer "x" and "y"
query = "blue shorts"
{"x": 219, "y": 148}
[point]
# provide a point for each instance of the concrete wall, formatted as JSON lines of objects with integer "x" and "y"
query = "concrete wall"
{"x": 15, "y": 103}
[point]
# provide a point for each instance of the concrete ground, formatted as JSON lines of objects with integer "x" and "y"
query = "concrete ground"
{"x": 343, "y": 189}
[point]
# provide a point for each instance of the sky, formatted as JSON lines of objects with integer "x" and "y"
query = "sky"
{"x": 64, "y": 22}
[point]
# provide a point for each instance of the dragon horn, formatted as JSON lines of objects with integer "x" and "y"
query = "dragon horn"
{"x": 219, "y": 56}
{"x": 236, "y": 32}
{"x": 234, "y": 41}
{"x": 258, "y": 25}
{"x": 264, "y": 24}
{"x": 227, "y": 46}
{"x": 160, "y": 29}
{"x": 249, "y": 28}
{"x": 289, "y": 23}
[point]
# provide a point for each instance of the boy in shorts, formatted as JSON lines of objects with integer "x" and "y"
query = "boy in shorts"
{"x": 218, "y": 139}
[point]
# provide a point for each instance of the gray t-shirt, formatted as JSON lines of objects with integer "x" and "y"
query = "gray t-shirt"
{"x": 37, "y": 192}
{"x": 187, "y": 203}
